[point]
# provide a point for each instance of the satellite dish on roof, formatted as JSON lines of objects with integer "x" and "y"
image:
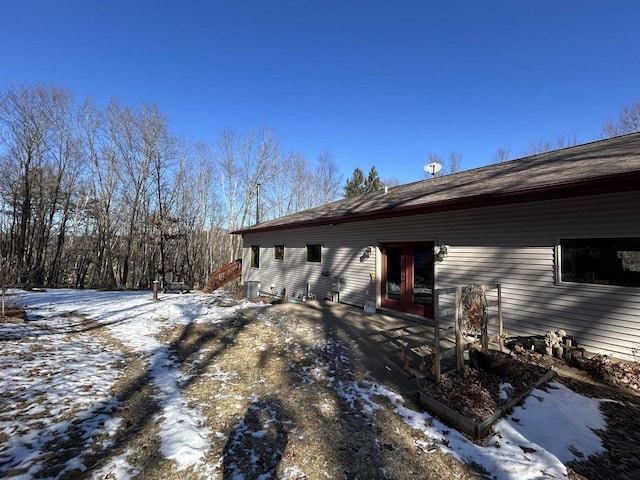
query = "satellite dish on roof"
{"x": 432, "y": 168}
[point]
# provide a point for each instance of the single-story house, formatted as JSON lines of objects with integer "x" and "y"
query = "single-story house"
{"x": 560, "y": 231}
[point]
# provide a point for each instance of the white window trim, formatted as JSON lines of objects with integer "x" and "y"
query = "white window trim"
{"x": 558, "y": 260}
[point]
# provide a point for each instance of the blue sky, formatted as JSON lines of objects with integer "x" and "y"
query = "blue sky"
{"x": 375, "y": 82}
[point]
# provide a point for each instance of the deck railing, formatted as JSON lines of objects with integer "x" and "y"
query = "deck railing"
{"x": 224, "y": 275}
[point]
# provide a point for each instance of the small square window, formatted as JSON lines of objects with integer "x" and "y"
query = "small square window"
{"x": 278, "y": 252}
{"x": 314, "y": 253}
{"x": 255, "y": 256}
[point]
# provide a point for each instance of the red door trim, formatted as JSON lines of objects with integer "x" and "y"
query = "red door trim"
{"x": 405, "y": 302}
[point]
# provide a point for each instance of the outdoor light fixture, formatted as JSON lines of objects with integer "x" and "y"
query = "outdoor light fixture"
{"x": 367, "y": 253}
{"x": 440, "y": 252}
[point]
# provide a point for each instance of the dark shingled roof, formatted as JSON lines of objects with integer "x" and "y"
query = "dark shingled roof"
{"x": 599, "y": 167}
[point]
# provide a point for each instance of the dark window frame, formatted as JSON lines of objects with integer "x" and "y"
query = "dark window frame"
{"x": 611, "y": 261}
{"x": 255, "y": 256}
{"x": 314, "y": 253}
{"x": 278, "y": 252}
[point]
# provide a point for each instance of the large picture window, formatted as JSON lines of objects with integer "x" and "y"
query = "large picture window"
{"x": 255, "y": 256}
{"x": 314, "y": 253}
{"x": 608, "y": 261}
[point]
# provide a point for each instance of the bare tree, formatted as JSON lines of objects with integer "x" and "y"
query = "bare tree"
{"x": 299, "y": 186}
{"x": 126, "y": 131}
{"x": 391, "y": 182}
{"x": 502, "y": 154}
{"x": 543, "y": 146}
{"x": 23, "y": 136}
{"x": 200, "y": 238}
{"x": 260, "y": 166}
{"x": 452, "y": 166}
{"x": 8, "y": 276}
{"x": 107, "y": 196}
{"x": 627, "y": 122}
{"x": 229, "y": 172}
{"x": 328, "y": 179}
{"x": 291, "y": 190}
{"x": 455, "y": 162}
{"x": 244, "y": 163}
{"x": 100, "y": 203}
{"x": 159, "y": 147}
{"x": 41, "y": 158}
{"x": 67, "y": 167}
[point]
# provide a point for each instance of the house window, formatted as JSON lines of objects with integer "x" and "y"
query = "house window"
{"x": 314, "y": 253}
{"x": 608, "y": 261}
{"x": 278, "y": 252}
{"x": 255, "y": 256}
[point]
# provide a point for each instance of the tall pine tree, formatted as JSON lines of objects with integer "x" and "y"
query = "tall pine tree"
{"x": 359, "y": 184}
{"x": 355, "y": 184}
{"x": 373, "y": 182}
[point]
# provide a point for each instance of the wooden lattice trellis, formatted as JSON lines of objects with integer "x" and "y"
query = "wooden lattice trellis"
{"x": 470, "y": 313}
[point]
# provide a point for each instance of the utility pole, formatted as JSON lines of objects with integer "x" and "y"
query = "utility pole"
{"x": 258, "y": 204}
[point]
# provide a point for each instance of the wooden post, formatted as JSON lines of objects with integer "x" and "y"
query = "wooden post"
{"x": 436, "y": 335}
{"x": 484, "y": 337}
{"x": 155, "y": 289}
{"x": 500, "y": 339}
{"x": 458, "y": 329}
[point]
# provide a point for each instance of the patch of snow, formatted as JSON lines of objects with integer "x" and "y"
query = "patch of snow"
{"x": 118, "y": 468}
{"x": 549, "y": 426}
{"x": 505, "y": 390}
{"x": 558, "y": 420}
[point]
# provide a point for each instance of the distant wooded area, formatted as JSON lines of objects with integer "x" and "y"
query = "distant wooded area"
{"x": 107, "y": 197}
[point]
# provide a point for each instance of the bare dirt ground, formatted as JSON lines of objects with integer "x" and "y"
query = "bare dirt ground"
{"x": 302, "y": 403}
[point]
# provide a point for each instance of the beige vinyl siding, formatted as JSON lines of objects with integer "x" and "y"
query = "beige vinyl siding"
{"x": 603, "y": 318}
{"x": 341, "y": 252}
{"x": 513, "y": 245}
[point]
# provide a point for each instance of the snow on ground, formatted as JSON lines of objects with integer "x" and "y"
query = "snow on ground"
{"x": 45, "y": 370}
{"x": 44, "y": 373}
{"x": 551, "y": 428}
{"x": 56, "y": 376}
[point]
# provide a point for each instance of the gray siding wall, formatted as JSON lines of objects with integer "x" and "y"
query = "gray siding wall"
{"x": 342, "y": 263}
{"x": 513, "y": 245}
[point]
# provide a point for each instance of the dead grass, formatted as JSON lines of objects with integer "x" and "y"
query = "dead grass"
{"x": 13, "y": 314}
{"x": 278, "y": 405}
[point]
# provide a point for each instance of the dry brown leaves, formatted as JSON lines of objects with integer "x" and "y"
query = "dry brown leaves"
{"x": 477, "y": 393}
{"x": 617, "y": 373}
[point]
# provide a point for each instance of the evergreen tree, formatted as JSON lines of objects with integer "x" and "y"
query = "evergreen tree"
{"x": 355, "y": 185}
{"x": 359, "y": 184}
{"x": 373, "y": 182}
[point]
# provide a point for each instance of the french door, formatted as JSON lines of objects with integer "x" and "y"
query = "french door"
{"x": 407, "y": 277}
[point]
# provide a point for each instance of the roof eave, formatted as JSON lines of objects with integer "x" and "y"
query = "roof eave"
{"x": 592, "y": 186}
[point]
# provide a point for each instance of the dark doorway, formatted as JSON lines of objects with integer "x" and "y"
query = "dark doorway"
{"x": 407, "y": 277}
